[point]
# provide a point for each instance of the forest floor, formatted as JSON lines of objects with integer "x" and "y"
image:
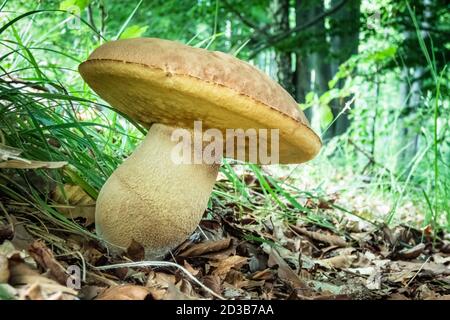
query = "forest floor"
{"x": 229, "y": 257}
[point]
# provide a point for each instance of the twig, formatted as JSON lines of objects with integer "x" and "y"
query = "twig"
{"x": 418, "y": 271}
{"x": 161, "y": 264}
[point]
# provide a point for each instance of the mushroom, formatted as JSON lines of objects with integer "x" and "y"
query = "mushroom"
{"x": 167, "y": 86}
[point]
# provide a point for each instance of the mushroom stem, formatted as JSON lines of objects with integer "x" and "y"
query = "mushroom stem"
{"x": 153, "y": 200}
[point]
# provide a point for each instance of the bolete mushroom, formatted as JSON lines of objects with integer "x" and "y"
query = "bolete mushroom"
{"x": 165, "y": 86}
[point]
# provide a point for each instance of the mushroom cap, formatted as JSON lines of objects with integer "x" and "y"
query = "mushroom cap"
{"x": 161, "y": 81}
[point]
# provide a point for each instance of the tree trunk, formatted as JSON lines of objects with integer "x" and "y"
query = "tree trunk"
{"x": 344, "y": 43}
{"x": 285, "y": 74}
{"x": 315, "y": 61}
{"x": 302, "y": 77}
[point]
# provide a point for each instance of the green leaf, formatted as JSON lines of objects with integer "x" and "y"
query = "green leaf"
{"x": 326, "y": 116}
{"x": 333, "y": 82}
{"x": 70, "y": 5}
{"x": 134, "y": 31}
{"x": 304, "y": 106}
{"x": 310, "y": 97}
{"x": 382, "y": 55}
{"x": 328, "y": 96}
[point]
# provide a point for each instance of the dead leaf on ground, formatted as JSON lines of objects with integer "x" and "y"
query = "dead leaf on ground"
{"x": 425, "y": 293}
{"x": 163, "y": 286}
{"x": 267, "y": 274}
{"x": 31, "y": 164}
{"x": 411, "y": 253}
{"x": 397, "y": 296}
{"x": 185, "y": 287}
{"x": 338, "y": 262}
{"x": 190, "y": 268}
{"x": 37, "y": 285}
{"x": 440, "y": 259}
{"x": 89, "y": 292}
{"x": 285, "y": 272}
{"x": 206, "y": 247}
{"x": 93, "y": 256}
{"x": 45, "y": 259}
{"x": 331, "y": 239}
{"x": 4, "y": 269}
{"x": 124, "y": 292}
{"x": 374, "y": 280}
{"x": 214, "y": 283}
{"x": 224, "y": 266}
{"x": 403, "y": 271}
{"x": 136, "y": 251}
{"x": 74, "y": 202}
{"x": 236, "y": 279}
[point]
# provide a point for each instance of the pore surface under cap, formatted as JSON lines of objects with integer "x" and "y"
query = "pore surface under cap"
{"x": 160, "y": 81}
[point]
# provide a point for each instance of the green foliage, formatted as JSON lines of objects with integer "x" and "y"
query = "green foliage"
{"x": 134, "y": 31}
{"x": 69, "y": 5}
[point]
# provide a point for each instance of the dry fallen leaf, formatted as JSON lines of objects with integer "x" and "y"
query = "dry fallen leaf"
{"x": 374, "y": 280}
{"x": 285, "y": 272}
{"x": 90, "y": 292}
{"x": 185, "y": 287}
{"x": 397, "y": 296}
{"x": 74, "y": 202}
{"x": 45, "y": 259}
{"x": 4, "y": 269}
{"x": 425, "y": 293}
{"x": 214, "y": 283}
{"x": 136, "y": 251}
{"x": 344, "y": 259}
{"x": 163, "y": 286}
{"x": 236, "y": 279}
{"x": 338, "y": 262}
{"x": 41, "y": 287}
{"x": 411, "y": 253}
{"x": 440, "y": 259}
{"x": 31, "y": 164}
{"x": 403, "y": 271}
{"x": 124, "y": 292}
{"x": 224, "y": 266}
{"x": 206, "y": 247}
{"x": 190, "y": 268}
{"x": 319, "y": 236}
{"x": 266, "y": 274}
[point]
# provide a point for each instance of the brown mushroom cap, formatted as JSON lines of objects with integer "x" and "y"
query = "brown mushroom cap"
{"x": 161, "y": 81}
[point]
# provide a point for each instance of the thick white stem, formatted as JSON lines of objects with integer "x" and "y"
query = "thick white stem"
{"x": 153, "y": 200}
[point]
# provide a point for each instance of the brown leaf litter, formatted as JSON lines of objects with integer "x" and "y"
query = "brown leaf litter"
{"x": 237, "y": 256}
